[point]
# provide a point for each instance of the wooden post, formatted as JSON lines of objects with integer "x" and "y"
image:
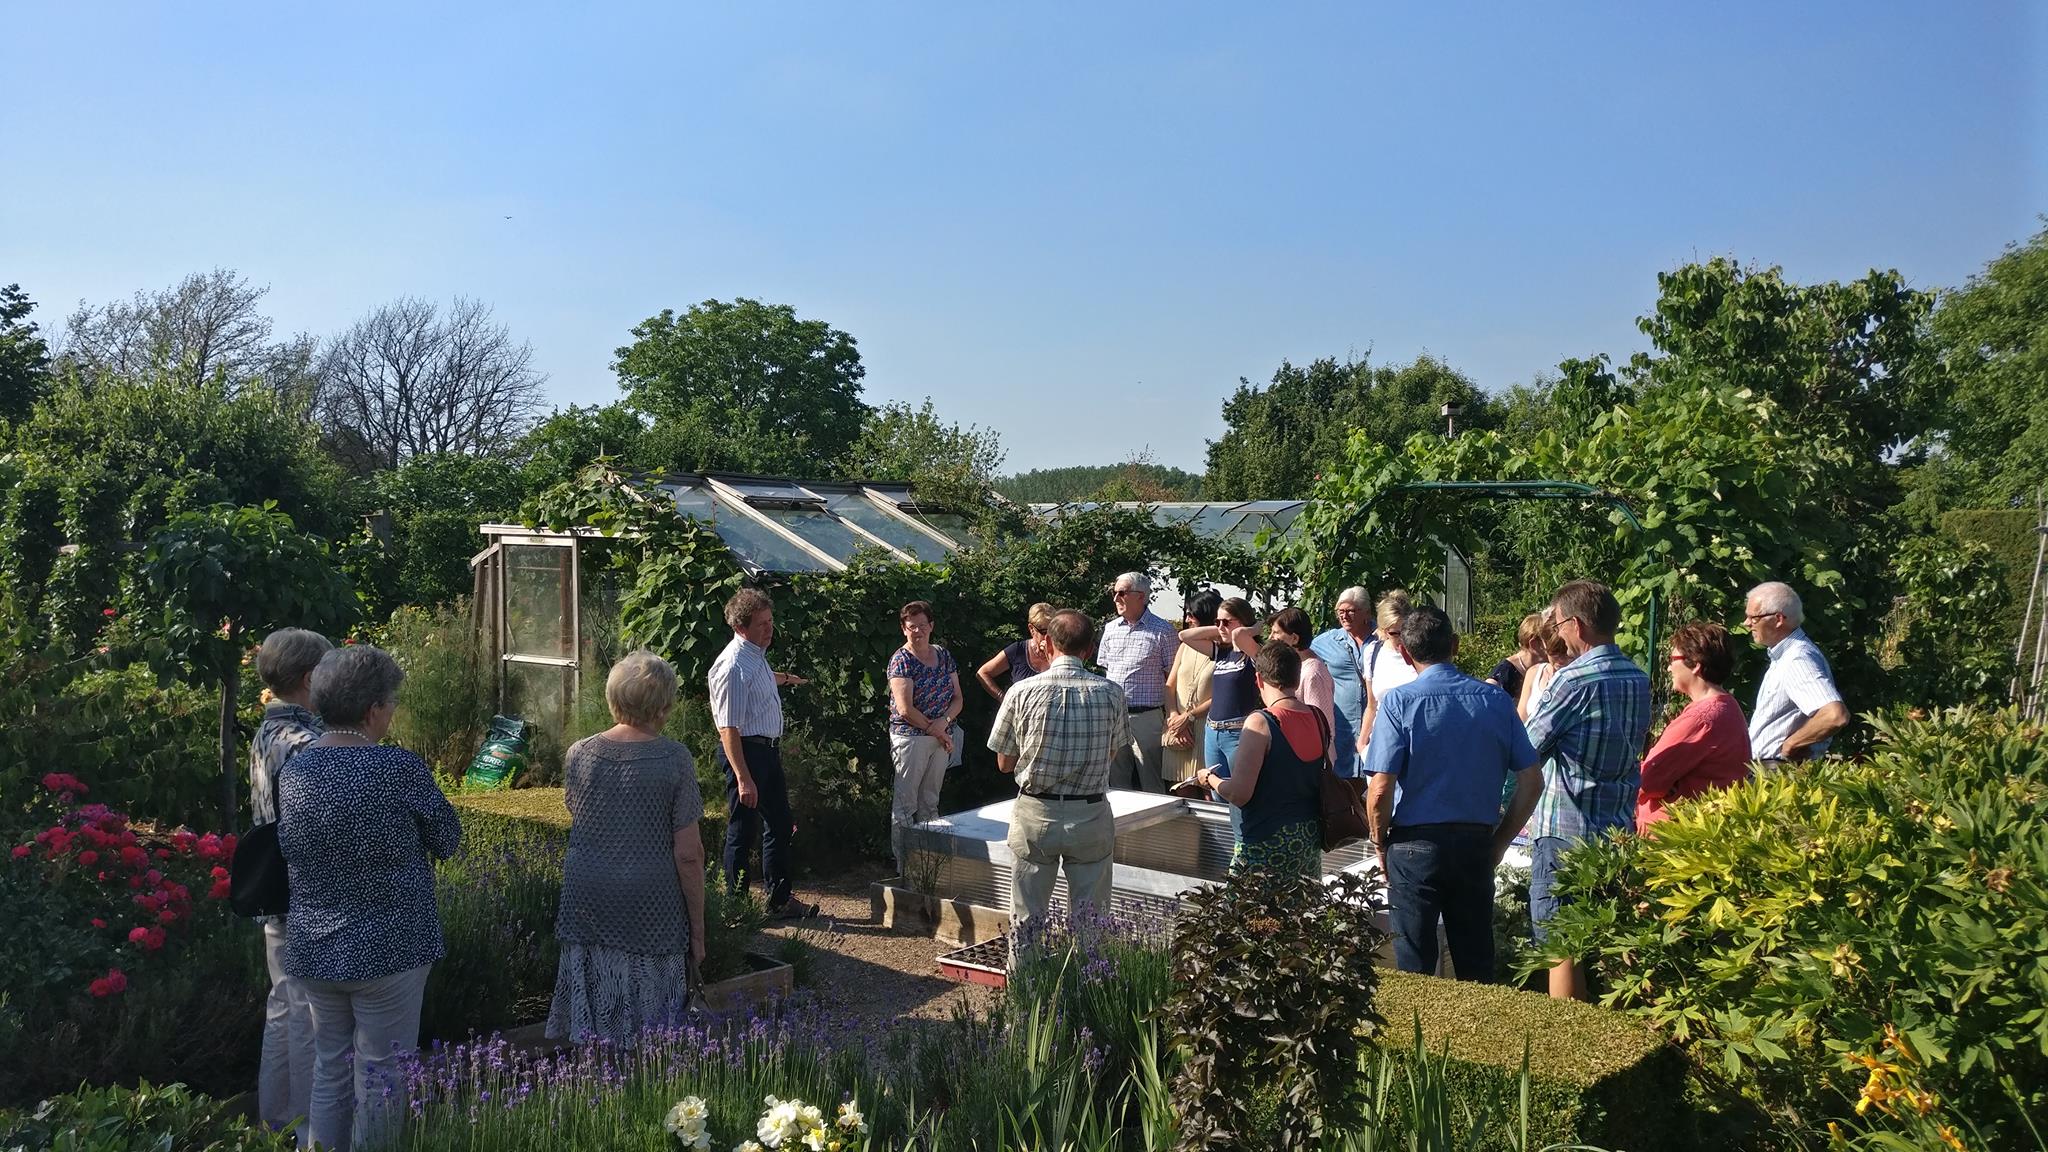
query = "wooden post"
{"x": 230, "y": 690}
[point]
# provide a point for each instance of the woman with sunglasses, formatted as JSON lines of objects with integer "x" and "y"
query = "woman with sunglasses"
{"x": 1706, "y": 746}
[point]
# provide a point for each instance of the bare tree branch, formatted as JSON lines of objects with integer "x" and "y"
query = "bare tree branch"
{"x": 408, "y": 380}
{"x": 208, "y": 324}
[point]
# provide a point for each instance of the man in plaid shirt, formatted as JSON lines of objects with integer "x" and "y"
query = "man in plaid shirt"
{"x": 1589, "y": 730}
{"x": 1058, "y": 732}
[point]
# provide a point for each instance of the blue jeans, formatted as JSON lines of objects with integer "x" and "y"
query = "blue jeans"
{"x": 1219, "y": 746}
{"x": 1543, "y": 901}
{"x": 770, "y": 819}
{"x": 1442, "y": 871}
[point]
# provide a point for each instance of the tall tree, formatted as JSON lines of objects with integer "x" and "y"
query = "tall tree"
{"x": 745, "y": 386}
{"x": 560, "y": 447}
{"x": 411, "y": 379}
{"x": 24, "y": 355}
{"x": 1848, "y": 361}
{"x": 1992, "y": 337}
{"x": 1278, "y": 438}
{"x": 206, "y": 324}
{"x": 946, "y": 462}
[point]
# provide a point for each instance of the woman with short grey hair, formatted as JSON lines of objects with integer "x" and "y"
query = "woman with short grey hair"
{"x": 631, "y": 918}
{"x": 360, "y": 826}
{"x": 285, "y": 663}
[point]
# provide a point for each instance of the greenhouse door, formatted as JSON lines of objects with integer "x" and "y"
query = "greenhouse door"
{"x": 539, "y": 621}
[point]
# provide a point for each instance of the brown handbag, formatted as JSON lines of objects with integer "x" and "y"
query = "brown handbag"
{"x": 1343, "y": 805}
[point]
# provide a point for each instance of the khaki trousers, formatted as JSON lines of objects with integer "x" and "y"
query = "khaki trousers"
{"x": 1048, "y": 835}
{"x": 1139, "y": 766}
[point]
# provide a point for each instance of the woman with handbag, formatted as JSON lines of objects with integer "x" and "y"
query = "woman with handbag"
{"x": 631, "y": 918}
{"x": 924, "y": 697}
{"x": 1187, "y": 691}
{"x": 1275, "y": 780}
{"x": 360, "y": 824}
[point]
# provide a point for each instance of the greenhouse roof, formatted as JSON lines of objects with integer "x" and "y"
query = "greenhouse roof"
{"x": 1239, "y": 522}
{"x": 776, "y": 524}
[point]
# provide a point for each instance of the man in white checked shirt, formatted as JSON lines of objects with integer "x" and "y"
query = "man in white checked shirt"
{"x": 1136, "y": 652}
{"x": 1058, "y": 732}
{"x": 1798, "y": 708}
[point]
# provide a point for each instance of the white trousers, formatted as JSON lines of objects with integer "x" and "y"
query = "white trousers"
{"x": 920, "y": 771}
{"x": 376, "y": 1020}
{"x": 284, "y": 1081}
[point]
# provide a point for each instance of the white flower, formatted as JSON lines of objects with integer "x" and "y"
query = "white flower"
{"x": 850, "y": 1118}
{"x": 808, "y": 1115}
{"x": 748, "y": 1146}
{"x": 686, "y": 1119}
{"x": 702, "y": 1143}
{"x": 815, "y": 1140}
{"x": 781, "y": 1124}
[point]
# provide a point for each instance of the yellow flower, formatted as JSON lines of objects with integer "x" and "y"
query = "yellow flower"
{"x": 1949, "y": 1137}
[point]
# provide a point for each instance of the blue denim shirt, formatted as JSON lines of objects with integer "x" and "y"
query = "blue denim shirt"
{"x": 1450, "y": 742}
{"x": 1342, "y": 654}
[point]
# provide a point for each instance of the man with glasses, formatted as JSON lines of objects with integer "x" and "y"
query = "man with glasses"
{"x": 1136, "y": 652}
{"x": 1590, "y": 731}
{"x": 1798, "y": 708}
{"x": 1343, "y": 649}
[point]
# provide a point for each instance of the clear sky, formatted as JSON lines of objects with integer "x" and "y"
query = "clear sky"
{"x": 1079, "y": 225}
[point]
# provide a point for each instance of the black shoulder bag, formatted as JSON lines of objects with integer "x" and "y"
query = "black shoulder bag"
{"x": 257, "y": 884}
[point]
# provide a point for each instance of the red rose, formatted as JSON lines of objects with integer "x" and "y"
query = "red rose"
{"x": 108, "y": 612}
{"x": 219, "y": 873}
{"x": 163, "y": 853}
{"x": 98, "y": 923}
{"x": 88, "y": 858}
{"x": 21, "y": 851}
{"x": 167, "y": 916}
{"x": 152, "y": 877}
{"x": 221, "y": 889}
{"x": 137, "y": 934}
{"x": 134, "y": 857}
{"x": 112, "y": 984}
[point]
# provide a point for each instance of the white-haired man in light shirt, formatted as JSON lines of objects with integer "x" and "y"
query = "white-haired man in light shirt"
{"x": 1798, "y": 708}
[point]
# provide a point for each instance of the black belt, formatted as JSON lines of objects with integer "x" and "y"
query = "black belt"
{"x": 1088, "y": 798}
{"x": 766, "y": 741}
{"x": 1137, "y": 708}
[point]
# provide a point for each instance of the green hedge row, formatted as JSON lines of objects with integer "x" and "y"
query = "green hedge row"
{"x": 2008, "y": 532}
{"x": 1596, "y": 1077}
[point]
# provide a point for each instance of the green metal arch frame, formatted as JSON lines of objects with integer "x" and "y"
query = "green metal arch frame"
{"x": 1516, "y": 490}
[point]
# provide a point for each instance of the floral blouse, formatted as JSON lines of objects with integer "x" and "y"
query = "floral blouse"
{"x": 931, "y": 687}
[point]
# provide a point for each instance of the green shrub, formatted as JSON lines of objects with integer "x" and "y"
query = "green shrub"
{"x": 444, "y": 706}
{"x": 145, "y": 746}
{"x": 1780, "y": 929}
{"x": 1273, "y": 989}
{"x": 2014, "y": 544}
{"x": 1595, "y": 1076}
{"x": 139, "y": 1119}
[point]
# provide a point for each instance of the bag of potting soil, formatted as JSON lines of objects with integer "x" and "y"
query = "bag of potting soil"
{"x": 501, "y": 757}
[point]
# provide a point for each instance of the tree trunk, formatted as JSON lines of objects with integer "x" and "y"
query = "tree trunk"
{"x": 230, "y": 691}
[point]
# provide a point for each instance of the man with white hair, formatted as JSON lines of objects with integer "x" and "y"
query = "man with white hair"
{"x": 1343, "y": 649}
{"x": 1798, "y": 709}
{"x": 1136, "y": 651}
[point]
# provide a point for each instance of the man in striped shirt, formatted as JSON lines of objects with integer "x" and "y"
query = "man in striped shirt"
{"x": 1059, "y": 732}
{"x": 746, "y": 708}
{"x": 1798, "y": 708}
{"x": 1137, "y": 655}
{"x": 1590, "y": 732}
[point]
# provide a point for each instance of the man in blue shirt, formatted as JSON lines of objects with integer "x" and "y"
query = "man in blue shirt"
{"x": 1450, "y": 742}
{"x": 1343, "y": 649}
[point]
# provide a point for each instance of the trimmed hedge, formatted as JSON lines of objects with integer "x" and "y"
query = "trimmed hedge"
{"x": 1596, "y": 1077}
{"x": 545, "y": 806}
{"x": 2008, "y": 532}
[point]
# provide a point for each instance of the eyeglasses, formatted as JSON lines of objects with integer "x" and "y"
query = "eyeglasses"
{"x": 1679, "y": 658}
{"x": 1126, "y": 592}
{"x": 1748, "y": 616}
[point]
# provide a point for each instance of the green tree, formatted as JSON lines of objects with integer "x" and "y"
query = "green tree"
{"x": 24, "y": 355}
{"x": 1846, "y": 362}
{"x": 431, "y": 507}
{"x": 948, "y": 464}
{"x": 1280, "y": 437}
{"x": 745, "y": 386}
{"x": 573, "y": 438}
{"x": 225, "y": 573}
{"x": 1992, "y": 338}
{"x": 1091, "y": 481}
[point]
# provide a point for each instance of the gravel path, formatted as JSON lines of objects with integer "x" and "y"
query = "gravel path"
{"x": 875, "y": 973}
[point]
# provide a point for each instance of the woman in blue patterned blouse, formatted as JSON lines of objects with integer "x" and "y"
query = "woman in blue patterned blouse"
{"x": 360, "y": 825}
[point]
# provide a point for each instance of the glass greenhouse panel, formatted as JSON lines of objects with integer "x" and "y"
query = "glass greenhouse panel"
{"x": 821, "y": 530}
{"x": 904, "y": 537}
{"x": 770, "y": 490}
{"x": 538, "y": 694}
{"x": 539, "y": 619}
{"x": 758, "y": 545}
{"x": 696, "y": 503}
{"x": 954, "y": 525}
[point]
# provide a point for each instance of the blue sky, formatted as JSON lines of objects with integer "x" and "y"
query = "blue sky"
{"x": 1078, "y": 225}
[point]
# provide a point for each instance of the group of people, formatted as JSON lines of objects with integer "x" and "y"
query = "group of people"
{"x": 1549, "y": 746}
{"x": 1551, "y": 743}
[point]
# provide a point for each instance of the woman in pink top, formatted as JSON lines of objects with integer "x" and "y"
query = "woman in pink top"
{"x": 1318, "y": 689}
{"x": 1707, "y": 745}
